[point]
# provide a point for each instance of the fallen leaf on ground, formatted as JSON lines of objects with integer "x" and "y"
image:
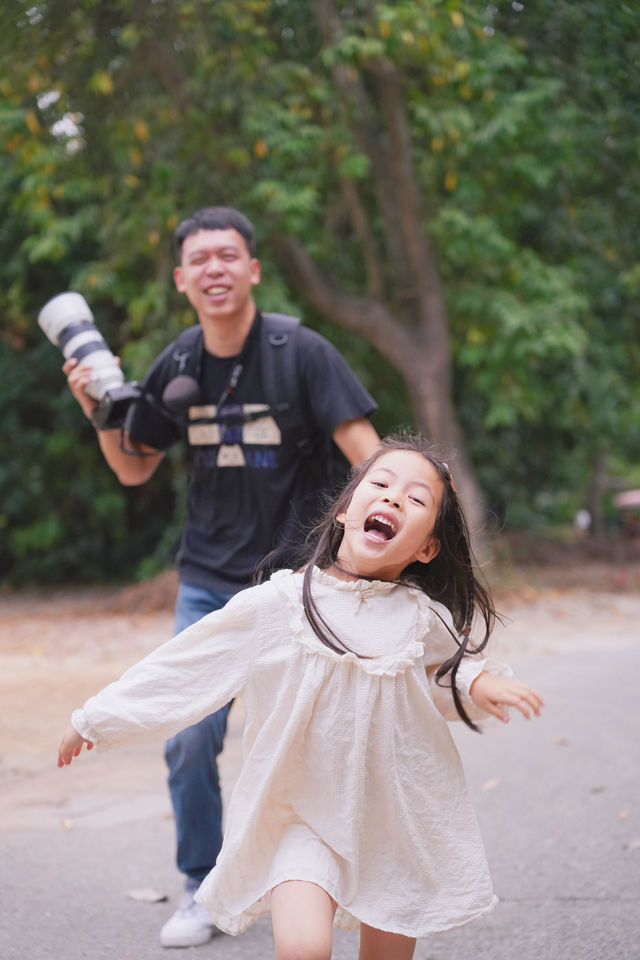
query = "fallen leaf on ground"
{"x": 146, "y": 895}
{"x": 490, "y": 784}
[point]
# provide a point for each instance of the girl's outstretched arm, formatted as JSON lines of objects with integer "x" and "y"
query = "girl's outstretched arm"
{"x": 182, "y": 681}
{"x": 492, "y": 694}
{"x": 70, "y": 746}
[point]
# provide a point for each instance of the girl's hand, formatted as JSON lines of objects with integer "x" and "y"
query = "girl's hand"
{"x": 492, "y": 694}
{"x": 70, "y": 746}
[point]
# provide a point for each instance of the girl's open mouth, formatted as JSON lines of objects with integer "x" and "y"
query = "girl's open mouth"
{"x": 380, "y": 527}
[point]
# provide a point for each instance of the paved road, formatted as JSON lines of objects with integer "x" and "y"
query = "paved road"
{"x": 558, "y": 801}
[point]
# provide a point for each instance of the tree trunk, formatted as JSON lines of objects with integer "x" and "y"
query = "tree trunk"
{"x": 596, "y": 492}
{"x": 404, "y": 316}
{"x": 423, "y": 362}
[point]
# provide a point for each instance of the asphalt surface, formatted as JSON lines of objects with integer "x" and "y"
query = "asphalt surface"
{"x": 558, "y": 801}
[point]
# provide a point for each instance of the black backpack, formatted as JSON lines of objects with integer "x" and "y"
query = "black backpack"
{"x": 280, "y": 371}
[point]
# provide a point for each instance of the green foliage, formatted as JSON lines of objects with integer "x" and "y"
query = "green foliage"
{"x": 117, "y": 119}
{"x": 63, "y": 514}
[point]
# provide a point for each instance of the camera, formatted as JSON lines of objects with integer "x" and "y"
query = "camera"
{"x": 68, "y": 323}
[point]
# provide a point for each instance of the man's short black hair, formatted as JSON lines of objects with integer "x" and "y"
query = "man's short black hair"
{"x": 215, "y": 218}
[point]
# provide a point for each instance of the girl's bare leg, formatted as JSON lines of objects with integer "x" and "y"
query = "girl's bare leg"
{"x": 302, "y": 917}
{"x": 378, "y": 945}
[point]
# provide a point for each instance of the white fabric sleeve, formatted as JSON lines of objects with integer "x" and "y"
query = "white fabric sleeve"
{"x": 439, "y": 647}
{"x": 470, "y": 667}
{"x": 182, "y": 681}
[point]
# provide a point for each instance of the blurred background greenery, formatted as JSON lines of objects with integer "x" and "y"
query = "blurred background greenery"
{"x": 447, "y": 190}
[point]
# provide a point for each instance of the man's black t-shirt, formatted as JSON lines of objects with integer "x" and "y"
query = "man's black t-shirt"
{"x": 250, "y": 490}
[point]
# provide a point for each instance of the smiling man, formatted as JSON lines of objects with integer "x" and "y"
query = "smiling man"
{"x": 253, "y": 483}
{"x": 217, "y": 273}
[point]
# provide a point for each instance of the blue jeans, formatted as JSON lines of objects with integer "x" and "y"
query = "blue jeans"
{"x": 191, "y": 756}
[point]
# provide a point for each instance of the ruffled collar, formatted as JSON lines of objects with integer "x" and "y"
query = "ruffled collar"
{"x": 362, "y": 587}
{"x": 289, "y": 585}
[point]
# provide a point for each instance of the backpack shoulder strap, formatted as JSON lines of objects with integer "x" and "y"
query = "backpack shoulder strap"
{"x": 186, "y": 350}
{"x": 278, "y": 359}
{"x": 279, "y": 369}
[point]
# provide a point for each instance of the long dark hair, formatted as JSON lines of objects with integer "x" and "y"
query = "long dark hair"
{"x": 449, "y": 577}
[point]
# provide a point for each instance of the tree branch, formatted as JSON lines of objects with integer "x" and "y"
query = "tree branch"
{"x": 359, "y": 115}
{"x": 160, "y": 57}
{"x": 420, "y": 253}
{"x": 365, "y": 315}
{"x": 360, "y": 221}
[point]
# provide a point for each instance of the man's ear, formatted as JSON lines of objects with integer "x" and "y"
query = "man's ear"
{"x": 177, "y": 279}
{"x": 430, "y": 550}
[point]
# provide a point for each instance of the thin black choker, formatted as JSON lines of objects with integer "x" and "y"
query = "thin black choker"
{"x": 358, "y": 576}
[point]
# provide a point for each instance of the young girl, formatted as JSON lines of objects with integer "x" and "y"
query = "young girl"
{"x": 351, "y": 807}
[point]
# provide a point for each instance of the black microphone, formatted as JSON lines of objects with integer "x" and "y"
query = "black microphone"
{"x": 180, "y": 393}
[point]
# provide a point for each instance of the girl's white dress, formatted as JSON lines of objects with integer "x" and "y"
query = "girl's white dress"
{"x": 351, "y": 779}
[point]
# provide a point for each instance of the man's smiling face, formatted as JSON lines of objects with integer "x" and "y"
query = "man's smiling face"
{"x": 217, "y": 274}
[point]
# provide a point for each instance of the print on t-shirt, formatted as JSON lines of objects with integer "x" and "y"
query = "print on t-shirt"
{"x": 233, "y": 436}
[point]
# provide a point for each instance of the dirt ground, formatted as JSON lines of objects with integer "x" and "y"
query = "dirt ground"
{"x": 58, "y": 647}
{"x": 89, "y": 849}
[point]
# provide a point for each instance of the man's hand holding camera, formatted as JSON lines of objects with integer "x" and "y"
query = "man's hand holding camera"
{"x": 79, "y": 377}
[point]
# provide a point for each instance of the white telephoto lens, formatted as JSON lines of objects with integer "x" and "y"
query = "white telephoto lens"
{"x": 65, "y": 309}
{"x": 105, "y": 373}
{"x": 68, "y": 323}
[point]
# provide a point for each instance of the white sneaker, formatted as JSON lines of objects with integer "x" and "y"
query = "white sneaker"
{"x": 190, "y": 926}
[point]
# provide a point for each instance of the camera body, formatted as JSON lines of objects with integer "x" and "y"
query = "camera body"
{"x": 68, "y": 323}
